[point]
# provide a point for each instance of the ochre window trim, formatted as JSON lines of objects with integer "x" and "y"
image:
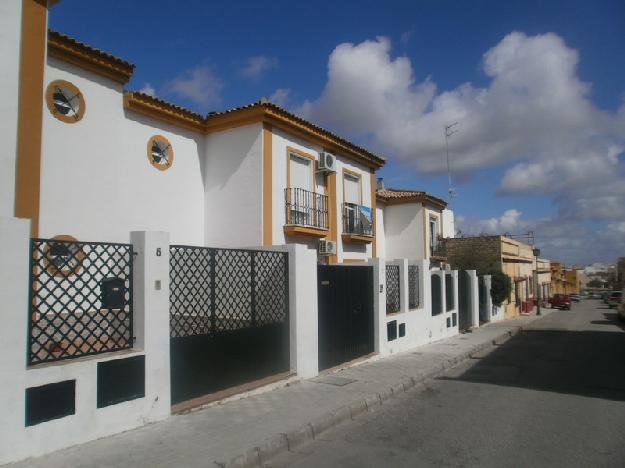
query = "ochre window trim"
{"x": 170, "y": 158}
{"x": 52, "y": 107}
{"x": 54, "y": 270}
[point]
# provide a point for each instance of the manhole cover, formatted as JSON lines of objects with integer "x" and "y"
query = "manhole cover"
{"x": 333, "y": 380}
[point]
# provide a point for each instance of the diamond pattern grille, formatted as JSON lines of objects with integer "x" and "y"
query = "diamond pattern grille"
{"x": 214, "y": 290}
{"x": 413, "y": 286}
{"x": 68, "y": 318}
{"x": 392, "y": 289}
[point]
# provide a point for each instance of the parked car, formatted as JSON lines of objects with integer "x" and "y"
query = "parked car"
{"x": 560, "y": 301}
{"x": 615, "y": 299}
{"x": 575, "y": 297}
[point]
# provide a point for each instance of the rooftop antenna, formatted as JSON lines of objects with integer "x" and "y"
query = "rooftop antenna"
{"x": 449, "y": 131}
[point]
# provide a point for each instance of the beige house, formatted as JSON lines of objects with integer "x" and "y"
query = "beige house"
{"x": 502, "y": 253}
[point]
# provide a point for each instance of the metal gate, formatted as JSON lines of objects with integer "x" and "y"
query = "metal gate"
{"x": 229, "y": 318}
{"x": 464, "y": 299}
{"x": 483, "y": 300}
{"x": 345, "y": 295}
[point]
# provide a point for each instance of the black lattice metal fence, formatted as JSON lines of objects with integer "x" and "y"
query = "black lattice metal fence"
{"x": 413, "y": 286}
{"x": 214, "y": 290}
{"x": 449, "y": 292}
{"x": 81, "y": 299}
{"x": 393, "y": 304}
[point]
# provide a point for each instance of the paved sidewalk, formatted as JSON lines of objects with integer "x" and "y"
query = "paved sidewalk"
{"x": 248, "y": 431}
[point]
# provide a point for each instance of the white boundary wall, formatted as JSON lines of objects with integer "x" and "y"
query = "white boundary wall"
{"x": 151, "y": 327}
{"x": 421, "y": 326}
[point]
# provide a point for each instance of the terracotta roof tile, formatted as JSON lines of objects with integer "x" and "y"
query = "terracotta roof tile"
{"x": 391, "y": 195}
{"x": 71, "y": 50}
{"x": 263, "y": 103}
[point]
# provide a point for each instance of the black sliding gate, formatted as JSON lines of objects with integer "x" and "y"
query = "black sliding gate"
{"x": 464, "y": 299}
{"x": 229, "y": 318}
{"x": 345, "y": 295}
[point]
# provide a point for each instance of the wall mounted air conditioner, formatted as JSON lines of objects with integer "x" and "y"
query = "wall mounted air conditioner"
{"x": 327, "y": 162}
{"x": 327, "y": 247}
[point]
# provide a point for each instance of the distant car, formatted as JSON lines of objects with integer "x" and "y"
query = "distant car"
{"x": 575, "y": 297}
{"x": 615, "y": 299}
{"x": 560, "y": 301}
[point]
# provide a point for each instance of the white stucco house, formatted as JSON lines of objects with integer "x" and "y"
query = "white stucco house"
{"x": 413, "y": 223}
{"x": 136, "y": 231}
{"x": 247, "y": 176}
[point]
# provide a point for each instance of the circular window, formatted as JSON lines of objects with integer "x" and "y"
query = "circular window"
{"x": 63, "y": 256}
{"x": 160, "y": 152}
{"x": 65, "y": 101}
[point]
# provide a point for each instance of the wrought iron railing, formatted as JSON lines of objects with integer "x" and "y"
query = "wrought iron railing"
{"x": 357, "y": 219}
{"x": 393, "y": 292}
{"x": 413, "y": 286}
{"x": 305, "y": 208}
{"x": 81, "y": 299}
{"x": 437, "y": 248}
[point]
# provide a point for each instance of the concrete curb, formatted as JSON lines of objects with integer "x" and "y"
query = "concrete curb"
{"x": 285, "y": 442}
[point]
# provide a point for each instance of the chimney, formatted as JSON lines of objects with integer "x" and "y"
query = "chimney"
{"x": 380, "y": 183}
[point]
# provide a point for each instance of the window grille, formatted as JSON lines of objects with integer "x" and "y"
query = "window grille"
{"x": 81, "y": 299}
{"x": 413, "y": 286}
{"x": 392, "y": 289}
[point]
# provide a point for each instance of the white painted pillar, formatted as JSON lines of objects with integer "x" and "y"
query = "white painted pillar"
{"x": 303, "y": 310}
{"x": 151, "y": 316}
{"x": 14, "y": 297}
{"x": 441, "y": 275}
{"x": 474, "y": 298}
{"x": 425, "y": 286}
{"x": 379, "y": 304}
{"x": 403, "y": 284}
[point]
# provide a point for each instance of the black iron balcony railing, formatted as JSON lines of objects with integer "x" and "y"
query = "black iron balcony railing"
{"x": 437, "y": 248}
{"x": 305, "y": 208}
{"x": 357, "y": 219}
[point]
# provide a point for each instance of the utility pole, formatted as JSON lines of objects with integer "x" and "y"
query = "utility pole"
{"x": 449, "y": 131}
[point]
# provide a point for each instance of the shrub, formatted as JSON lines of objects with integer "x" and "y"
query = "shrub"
{"x": 501, "y": 287}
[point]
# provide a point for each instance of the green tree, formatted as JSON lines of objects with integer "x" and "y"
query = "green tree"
{"x": 485, "y": 263}
{"x": 501, "y": 287}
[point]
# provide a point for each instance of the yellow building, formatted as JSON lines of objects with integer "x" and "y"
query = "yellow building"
{"x": 565, "y": 280}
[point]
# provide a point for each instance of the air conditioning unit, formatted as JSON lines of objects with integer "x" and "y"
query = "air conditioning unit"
{"x": 327, "y": 247}
{"x": 327, "y": 162}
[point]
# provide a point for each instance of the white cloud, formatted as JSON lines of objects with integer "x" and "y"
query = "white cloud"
{"x": 256, "y": 67}
{"x": 535, "y": 117}
{"x": 280, "y": 96}
{"x": 559, "y": 238}
{"x": 199, "y": 85}
{"x": 508, "y": 222}
{"x": 148, "y": 89}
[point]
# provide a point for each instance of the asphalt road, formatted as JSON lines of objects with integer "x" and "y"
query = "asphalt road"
{"x": 554, "y": 395}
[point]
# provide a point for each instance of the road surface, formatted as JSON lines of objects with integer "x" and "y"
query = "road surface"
{"x": 554, "y": 395}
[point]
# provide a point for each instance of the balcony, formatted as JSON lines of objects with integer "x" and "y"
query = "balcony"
{"x": 306, "y": 213}
{"x": 357, "y": 223}
{"x": 437, "y": 249}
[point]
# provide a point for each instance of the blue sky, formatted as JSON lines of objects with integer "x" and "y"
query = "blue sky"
{"x": 215, "y": 55}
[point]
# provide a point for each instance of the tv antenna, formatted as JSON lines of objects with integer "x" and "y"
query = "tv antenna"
{"x": 449, "y": 131}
